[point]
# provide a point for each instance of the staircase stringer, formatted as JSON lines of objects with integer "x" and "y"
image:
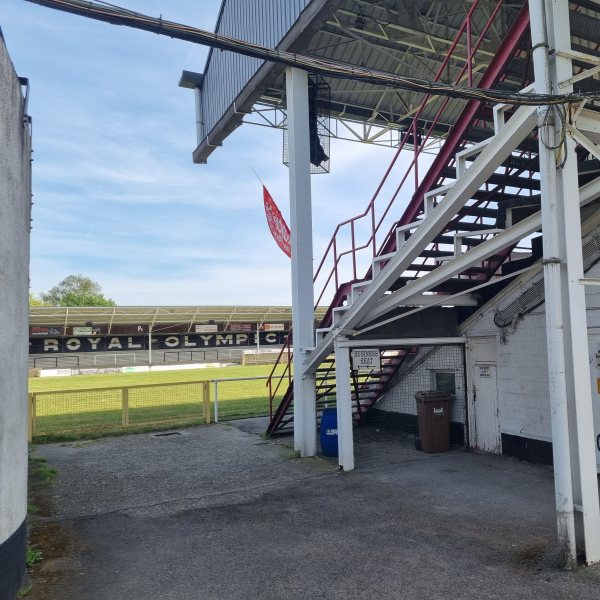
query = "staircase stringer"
{"x": 493, "y": 155}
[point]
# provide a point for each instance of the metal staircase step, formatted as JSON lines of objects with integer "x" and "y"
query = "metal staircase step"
{"x": 427, "y": 268}
{"x": 479, "y": 211}
{"x": 452, "y": 286}
{"x": 468, "y": 226}
{"x": 366, "y": 390}
{"x": 525, "y": 183}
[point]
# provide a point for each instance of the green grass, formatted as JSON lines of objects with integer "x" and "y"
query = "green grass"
{"x": 46, "y": 474}
{"x": 81, "y": 410}
{"x": 32, "y": 557}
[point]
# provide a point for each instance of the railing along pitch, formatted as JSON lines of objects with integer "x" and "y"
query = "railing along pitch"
{"x": 287, "y": 371}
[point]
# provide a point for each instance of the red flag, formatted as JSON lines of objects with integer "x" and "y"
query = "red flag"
{"x": 277, "y": 225}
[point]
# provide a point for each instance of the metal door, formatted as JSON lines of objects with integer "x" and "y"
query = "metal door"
{"x": 485, "y": 421}
{"x": 594, "y": 349}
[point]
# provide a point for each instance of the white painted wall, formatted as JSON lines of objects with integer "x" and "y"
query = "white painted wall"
{"x": 522, "y": 363}
{"x": 15, "y": 199}
{"x": 522, "y": 367}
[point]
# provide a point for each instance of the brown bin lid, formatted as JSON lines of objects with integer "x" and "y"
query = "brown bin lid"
{"x": 432, "y": 396}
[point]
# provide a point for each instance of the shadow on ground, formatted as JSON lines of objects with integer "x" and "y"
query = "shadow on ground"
{"x": 218, "y": 512}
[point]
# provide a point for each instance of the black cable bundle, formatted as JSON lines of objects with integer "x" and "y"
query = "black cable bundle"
{"x": 109, "y": 13}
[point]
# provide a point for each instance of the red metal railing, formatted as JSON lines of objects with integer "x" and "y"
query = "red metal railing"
{"x": 332, "y": 250}
{"x": 287, "y": 371}
{"x": 492, "y": 75}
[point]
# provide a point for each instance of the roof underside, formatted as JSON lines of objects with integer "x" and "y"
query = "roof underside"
{"x": 141, "y": 315}
{"x": 407, "y": 37}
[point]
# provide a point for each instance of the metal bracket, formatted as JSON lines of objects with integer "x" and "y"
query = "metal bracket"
{"x": 24, "y": 81}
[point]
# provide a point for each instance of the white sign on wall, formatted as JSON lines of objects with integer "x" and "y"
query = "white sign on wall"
{"x": 485, "y": 372}
{"x": 206, "y": 328}
{"x": 365, "y": 359}
{"x": 274, "y": 327}
{"x": 82, "y": 331}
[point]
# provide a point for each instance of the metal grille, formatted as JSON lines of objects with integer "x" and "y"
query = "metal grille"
{"x": 531, "y": 299}
{"x": 391, "y": 427}
{"x": 319, "y": 102}
{"x": 534, "y": 296}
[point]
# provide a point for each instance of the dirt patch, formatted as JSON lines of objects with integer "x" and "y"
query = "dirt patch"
{"x": 530, "y": 555}
{"x": 57, "y": 571}
{"x": 55, "y": 576}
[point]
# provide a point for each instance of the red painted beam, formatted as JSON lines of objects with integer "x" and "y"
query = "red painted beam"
{"x": 468, "y": 116}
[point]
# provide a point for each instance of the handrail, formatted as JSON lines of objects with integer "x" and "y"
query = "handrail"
{"x": 418, "y": 148}
{"x": 217, "y": 381}
{"x": 56, "y": 358}
{"x": 287, "y": 370}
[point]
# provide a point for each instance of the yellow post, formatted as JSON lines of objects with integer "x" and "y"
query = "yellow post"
{"x": 30, "y": 417}
{"x": 206, "y": 400}
{"x": 125, "y": 403}
{"x": 33, "y": 414}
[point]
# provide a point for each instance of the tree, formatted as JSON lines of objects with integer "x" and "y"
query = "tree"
{"x": 73, "y": 299}
{"x": 34, "y": 301}
{"x": 76, "y": 290}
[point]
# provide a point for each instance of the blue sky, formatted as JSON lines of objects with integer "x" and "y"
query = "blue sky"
{"x": 117, "y": 197}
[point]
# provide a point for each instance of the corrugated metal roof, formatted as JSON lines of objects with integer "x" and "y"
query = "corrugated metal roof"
{"x": 263, "y": 22}
{"x": 411, "y": 39}
{"x": 140, "y": 315}
{"x": 408, "y": 38}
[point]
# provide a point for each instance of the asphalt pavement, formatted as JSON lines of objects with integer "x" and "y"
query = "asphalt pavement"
{"x": 218, "y": 512}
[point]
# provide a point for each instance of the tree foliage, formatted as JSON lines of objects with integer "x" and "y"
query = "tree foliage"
{"x": 35, "y": 301}
{"x": 74, "y": 299}
{"x": 76, "y": 290}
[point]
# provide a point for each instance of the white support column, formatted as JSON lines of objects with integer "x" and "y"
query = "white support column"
{"x": 344, "y": 405}
{"x": 305, "y": 417}
{"x": 554, "y": 309}
{"x": 198, "y": 103}
{"x": 583, "y": 455}
{"x": 15, "y": 225}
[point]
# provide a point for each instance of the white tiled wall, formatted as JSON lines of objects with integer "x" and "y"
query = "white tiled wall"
{"x": 401, "y": 398}
{"x": 522, "y": 365}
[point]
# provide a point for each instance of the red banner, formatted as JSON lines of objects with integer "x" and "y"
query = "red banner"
{"x": 277, "y": 225}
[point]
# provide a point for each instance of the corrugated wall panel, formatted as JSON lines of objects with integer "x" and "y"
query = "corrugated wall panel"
{"x": 262, "y": 22}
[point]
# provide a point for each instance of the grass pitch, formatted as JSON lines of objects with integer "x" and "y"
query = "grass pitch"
{"x": 90, "y": 408}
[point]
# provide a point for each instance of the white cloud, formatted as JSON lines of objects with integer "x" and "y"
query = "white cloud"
{"x": 116, "y": 194}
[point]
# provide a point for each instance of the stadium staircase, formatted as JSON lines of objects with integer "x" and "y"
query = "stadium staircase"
{"x": 510, "y": 195}
{"x": 366, "y": 388}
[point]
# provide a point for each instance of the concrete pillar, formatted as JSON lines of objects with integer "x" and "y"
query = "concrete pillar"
{"x": 551, "y": 215}
{"x": 199, "y": 124}
{"x": 583, "y": 454}
{"x": 303, "y": 315}
{"x": 344, "y": 405}
{"x": 15, "y": 203}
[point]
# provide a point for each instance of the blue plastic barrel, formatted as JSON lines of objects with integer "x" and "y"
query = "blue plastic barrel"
{"x": 329, "y": 432}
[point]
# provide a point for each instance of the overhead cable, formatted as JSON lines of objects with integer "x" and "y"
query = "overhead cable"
{"x": 110, "y": 13}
